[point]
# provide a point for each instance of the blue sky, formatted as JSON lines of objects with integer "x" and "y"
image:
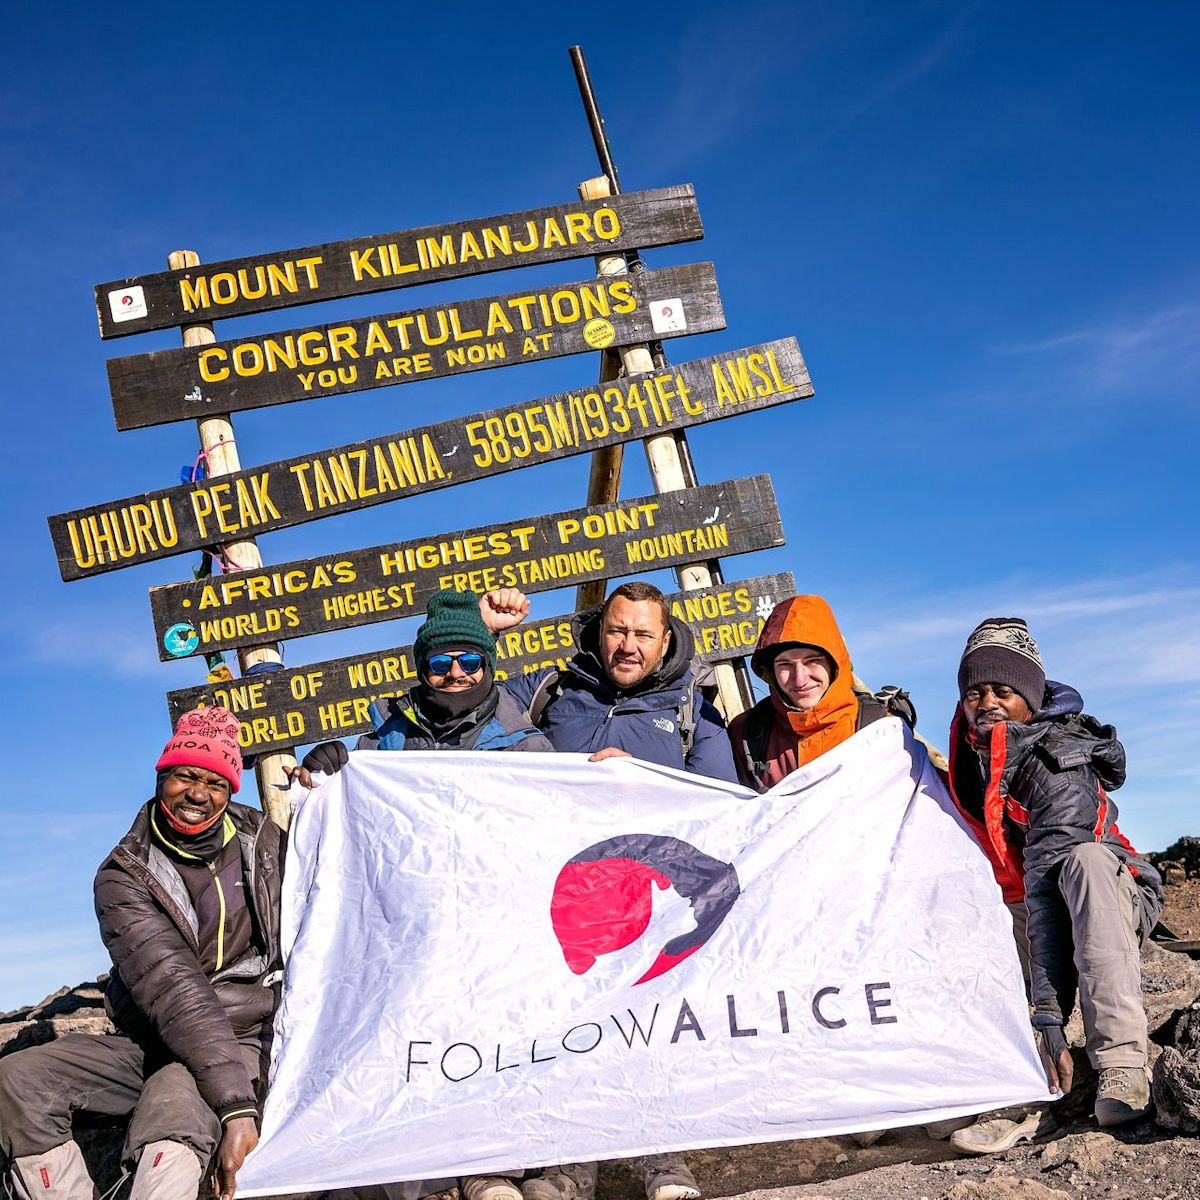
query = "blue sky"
{"x": 978, "y": 220}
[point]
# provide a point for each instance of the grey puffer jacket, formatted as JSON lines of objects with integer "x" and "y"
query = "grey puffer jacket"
{"x": 158, "y": 994}
{"x": 591, "y": 714}
{"x": 1047, "y": 791}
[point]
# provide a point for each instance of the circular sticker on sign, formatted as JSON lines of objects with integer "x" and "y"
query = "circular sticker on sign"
{"x": 180, "y": 639}
{"x": 599, "y": 333}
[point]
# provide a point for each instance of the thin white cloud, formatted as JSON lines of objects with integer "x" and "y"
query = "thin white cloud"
{"x": 118, "y": 643}
{"x": 1159, "y": 348}
{"x": 709, "y": 100}
{"x": 1130, "y": 644}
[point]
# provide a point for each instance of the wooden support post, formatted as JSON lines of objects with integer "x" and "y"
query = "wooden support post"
{"x": 667, "y": 470}
{"x": 221, "y": 458}
{"x": 604, "y": 479}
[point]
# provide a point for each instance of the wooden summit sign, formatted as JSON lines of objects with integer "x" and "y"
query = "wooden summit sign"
{"x": 537, "y": 553}
{"x": 299, "y": 705}
{"x": 662, "y": 217}
{"x": 424, "y": 343}
{"x": 246, "y": 503}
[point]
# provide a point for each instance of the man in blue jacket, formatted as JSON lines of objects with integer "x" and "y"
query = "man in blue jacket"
{"x": 629, "y": 691}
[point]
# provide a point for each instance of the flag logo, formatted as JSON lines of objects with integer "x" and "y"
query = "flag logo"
{"x": 603, "y": 898}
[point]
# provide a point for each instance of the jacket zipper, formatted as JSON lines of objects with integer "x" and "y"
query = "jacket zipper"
{"x": 221, "y": 915}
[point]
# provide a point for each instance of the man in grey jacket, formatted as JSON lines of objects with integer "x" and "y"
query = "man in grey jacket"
{"x": 1033, "y": 776}
{"x": 188, "y": 904}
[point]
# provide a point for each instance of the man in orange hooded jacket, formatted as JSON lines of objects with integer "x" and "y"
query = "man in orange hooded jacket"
{"x": 812, "y": 705}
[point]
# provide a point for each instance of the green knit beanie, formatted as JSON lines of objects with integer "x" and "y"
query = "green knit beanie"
{"x": 453, "y": 619}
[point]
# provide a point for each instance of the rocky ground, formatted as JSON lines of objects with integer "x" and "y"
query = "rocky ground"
{"x": 1157, "y": 1158}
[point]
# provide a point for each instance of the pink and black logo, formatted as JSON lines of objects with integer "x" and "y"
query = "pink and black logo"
{"x": 604, "y": 898}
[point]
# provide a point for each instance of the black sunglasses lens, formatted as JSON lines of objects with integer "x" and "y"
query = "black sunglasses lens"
{"x": 470, "y": 662}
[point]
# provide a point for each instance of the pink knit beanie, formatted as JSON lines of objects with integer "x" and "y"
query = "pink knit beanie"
{"x": 208, "y": 738}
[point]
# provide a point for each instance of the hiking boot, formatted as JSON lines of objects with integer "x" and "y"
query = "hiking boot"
{"x": 868, "y": 1137}
{"x": 670, "y": 1179}
{"x": 941, "y": 1130}
{"x": 489, "y": 1187}
{"x": 1123, "y": 1095}
{"x": 567, "y": 1181}
{"x": 552, "y": 1184}
{"x": 999, "y": 1134}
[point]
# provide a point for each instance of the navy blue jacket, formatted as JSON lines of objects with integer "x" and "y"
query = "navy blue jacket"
{"x": 591, "y": 713}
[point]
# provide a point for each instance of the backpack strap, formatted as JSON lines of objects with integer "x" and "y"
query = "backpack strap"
{"x": 550, "y": 688}
{"x": 687, "y": 717}
{"x": 755, "y": 733}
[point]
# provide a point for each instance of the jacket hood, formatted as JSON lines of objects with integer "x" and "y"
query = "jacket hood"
{"x": 587, "y": 661}
{"x": 809, "y": 621}
{"x": 1059, "y": 700}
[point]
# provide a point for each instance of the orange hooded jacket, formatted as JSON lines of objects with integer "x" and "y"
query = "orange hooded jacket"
{"x": 797, "y": 737}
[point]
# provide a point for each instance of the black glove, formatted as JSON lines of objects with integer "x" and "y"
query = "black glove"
{"x": 328, "y": 758}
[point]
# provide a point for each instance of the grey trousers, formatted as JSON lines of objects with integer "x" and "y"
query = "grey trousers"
{"x": 1107, "y": 920}
{"x": 43, "y": 1087}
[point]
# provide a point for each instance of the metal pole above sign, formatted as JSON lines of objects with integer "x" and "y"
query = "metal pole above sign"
{"x": 669, "y": 456}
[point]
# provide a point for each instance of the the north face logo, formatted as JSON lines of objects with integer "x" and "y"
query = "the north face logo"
{"x": 665, "y": 724}
{"x": 603, "y": 898}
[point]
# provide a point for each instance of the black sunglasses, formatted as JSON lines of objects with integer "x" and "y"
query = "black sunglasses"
{"x": 469, "y": 661}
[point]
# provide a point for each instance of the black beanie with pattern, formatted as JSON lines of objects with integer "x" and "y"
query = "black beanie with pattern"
{"x": 453, "y": 620}
{"x": 1002, "y": 650}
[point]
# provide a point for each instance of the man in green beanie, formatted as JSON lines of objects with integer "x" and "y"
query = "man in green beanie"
{"x": 456, "y": 705}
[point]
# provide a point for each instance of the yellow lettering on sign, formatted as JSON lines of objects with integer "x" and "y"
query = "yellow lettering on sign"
{"x": 374, "y": 672}
{"x": 122, "y": 533}
{"x": 249, "y": 283}
{"x": 677, "y": 545}
{"x": 608, "y": 524}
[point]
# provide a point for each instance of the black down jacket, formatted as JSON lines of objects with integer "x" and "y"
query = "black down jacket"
{"x": 158, "y": 994}
{"x": 1048, "y": 791}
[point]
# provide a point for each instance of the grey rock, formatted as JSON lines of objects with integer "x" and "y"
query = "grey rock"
{"x": 1187, "y": 1031}
{"x": 1175, "y": 1089}
{"x": 1004, "y": 1189}
{"x": 1170, "y": 983}
{"x": 1184, "y": 853}
{"x": 69, "y": 1010}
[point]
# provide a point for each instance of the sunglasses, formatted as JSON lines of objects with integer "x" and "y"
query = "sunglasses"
{"x": 469, "y": 661}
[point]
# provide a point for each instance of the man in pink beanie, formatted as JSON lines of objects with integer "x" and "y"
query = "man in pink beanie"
{"x": 188, "y": 904}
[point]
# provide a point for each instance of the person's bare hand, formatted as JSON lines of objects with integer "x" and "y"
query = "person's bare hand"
{"x": 503, "y": 608}
{"x": 609, "y": 752}
{"x": 1056, "y": 1057}
{"x": 238, "y": 1138}
{"x": 301, "y": 773}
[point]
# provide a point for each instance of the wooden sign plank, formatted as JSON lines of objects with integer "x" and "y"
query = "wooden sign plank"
{"x": 405, "y": 347}
{"x": 385, "y": 261}
{"x": 106, "y": 537}
{"x": 300, "y": 705}
{"x": 537, "y": 554}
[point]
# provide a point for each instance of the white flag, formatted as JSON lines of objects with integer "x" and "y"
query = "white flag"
{"x": 497, "y": 961}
